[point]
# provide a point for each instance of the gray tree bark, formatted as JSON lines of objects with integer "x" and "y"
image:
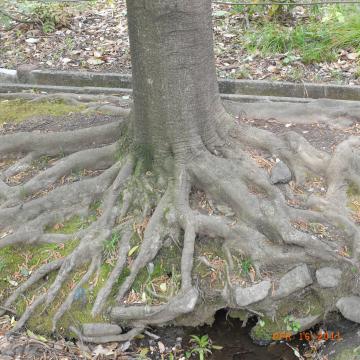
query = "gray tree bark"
{"x": 176, "y": 96}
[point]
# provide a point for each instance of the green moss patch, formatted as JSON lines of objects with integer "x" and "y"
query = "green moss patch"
{"x": 79, "y": 312}
{"x": 19, "y": 110}
{"x": 17, "y": 263}
{"x": 76, "y": 222}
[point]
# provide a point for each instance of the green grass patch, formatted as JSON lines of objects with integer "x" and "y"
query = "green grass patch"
{"x": 17, "y": 111}
{"x": 316, "y": 40}
{"x": 70, "y": 226}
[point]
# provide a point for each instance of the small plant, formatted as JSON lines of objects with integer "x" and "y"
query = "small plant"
{"x": 246, "y": 266}
{"x": 202, "y": 346}
{"x": 292, "y": 324}
{"x": 111, "y": 244}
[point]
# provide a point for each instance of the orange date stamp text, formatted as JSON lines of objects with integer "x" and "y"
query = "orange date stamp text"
{"x": 307, "y": 336}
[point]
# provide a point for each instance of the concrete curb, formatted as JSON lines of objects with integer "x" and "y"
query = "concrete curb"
{"x": 17, "y": 88}
{"x": 89, "y": 82}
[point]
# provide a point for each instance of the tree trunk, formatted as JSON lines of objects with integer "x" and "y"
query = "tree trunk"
{"x": 176, "y": 96}
{"x": 236, "y": 215}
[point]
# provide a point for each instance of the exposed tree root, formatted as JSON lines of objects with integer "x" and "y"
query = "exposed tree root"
{"x": 58, "y": 143}
{"x": 263, "y": 228}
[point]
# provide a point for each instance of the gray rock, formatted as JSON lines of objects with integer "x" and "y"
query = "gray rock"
{"x": 296, "y": 279}
{"x": 280, "y": 174}
{"x": 252, "y": 294}
{"x": 350, "y": 308}
{"x": 328, "y": 277}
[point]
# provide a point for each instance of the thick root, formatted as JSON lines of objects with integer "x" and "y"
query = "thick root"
{"x": 262, "y": 226}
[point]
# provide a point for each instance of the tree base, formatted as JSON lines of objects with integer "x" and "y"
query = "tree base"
{"x": 162, "y": 247}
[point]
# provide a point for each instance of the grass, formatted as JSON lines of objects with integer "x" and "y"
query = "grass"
{"x": 16, "y": 111}
{"x": 314, "y": 40}
{"x": 246, "y": 266}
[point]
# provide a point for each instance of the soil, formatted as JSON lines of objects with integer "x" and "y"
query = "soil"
{"x": 321, "y": 136}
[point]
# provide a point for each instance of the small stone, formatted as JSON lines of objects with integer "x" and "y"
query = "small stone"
{"x": 328, "y": 277}
{"x": 297, "y": 278}
{"x": 280, "y": 173}
{"x": 252, "y": 294}
{"x": 350, "y": 308}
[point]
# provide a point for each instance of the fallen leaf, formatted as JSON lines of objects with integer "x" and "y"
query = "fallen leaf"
{"x": 161, "y": 347}
{"x": 32, "y": 40}
{"x": 100, "y": 350}
{"x": 94, "y": 61}
{"x": 132, "y": 250}
{"x": 36, "y": 337}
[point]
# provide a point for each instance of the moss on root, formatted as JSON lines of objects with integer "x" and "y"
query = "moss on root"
{"x": 76, "y": 222}
{"x": 19, "y": 110}
{"x": 17, "y": 264}
{"x": 79, "y": 313}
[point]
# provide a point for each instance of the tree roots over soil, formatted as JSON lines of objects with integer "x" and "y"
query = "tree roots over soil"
{"x": 245, "y": 243}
